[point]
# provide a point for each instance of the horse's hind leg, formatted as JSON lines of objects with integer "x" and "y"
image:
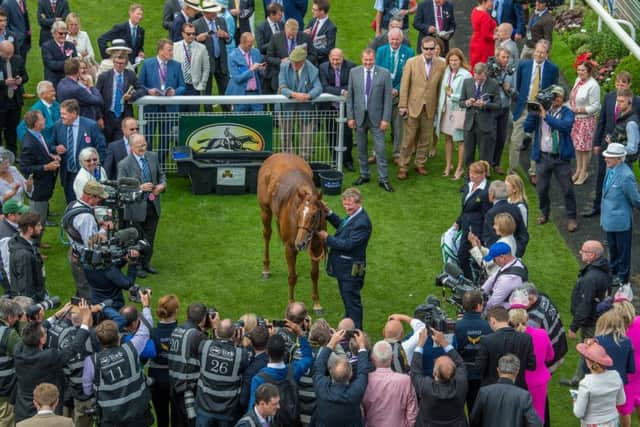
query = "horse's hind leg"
{"x": 266, "y": 234}
{"x": 291, "y": 254}
{"x": 317, "y": 308}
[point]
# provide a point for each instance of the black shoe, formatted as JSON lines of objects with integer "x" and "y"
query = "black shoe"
{"x": 591, "y": 213}
{"x": 50, "y": 224}
{"x": 349, "y": 166}
{"x": 569, "y": 382}
{"x": 141, "y": 274}
{"x": 387, "y": 187}
{"x": 150, "y": 269}
{"x": 361, "y": 180}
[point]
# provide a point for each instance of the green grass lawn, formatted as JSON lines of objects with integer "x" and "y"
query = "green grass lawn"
{"x": 209, "y": 248}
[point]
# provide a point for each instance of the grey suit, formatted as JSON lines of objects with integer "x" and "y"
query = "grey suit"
{"x": 218, "y": 67}
{"x": 144, "y": 214}
{"x": 369, "y": 116}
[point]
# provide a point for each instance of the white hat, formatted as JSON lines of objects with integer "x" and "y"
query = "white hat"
{"x": 615, "y": 150}
{"x": 209, "y": 6}
{"x": 118, "y": 44}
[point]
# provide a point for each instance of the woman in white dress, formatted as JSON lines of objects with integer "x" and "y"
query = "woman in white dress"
{"x": 13, "y": 186}
{"x": 456, "y": 72}
{"x": 90, "y": 171}
{"x": 82, "y": 43}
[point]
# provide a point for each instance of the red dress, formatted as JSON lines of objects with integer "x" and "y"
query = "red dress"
{"x": 482, "y": 45}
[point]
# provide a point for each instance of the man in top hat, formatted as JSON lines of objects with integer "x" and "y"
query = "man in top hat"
{"x": 299, "y": 80}
{"x": 619, "y": 196}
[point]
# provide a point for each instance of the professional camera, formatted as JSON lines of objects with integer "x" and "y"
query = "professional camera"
{"x": 124, "y": 191}
{"x": 454, "y": 279}
{"x": 496, "y": 72}
{"x": 46, "y": 304}
{"x": 433, "y": 316}
{"x": 114, "y": 250}
{"x": 135, "y": 291}
{"x": 545, "y": 98}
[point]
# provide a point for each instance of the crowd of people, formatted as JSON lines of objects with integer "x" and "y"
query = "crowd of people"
{"x": 101, "y": 359}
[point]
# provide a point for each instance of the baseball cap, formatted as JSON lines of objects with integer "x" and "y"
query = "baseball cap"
{"x": 14, "y": 207}
{"x": 496, "y": 250}
{"x": 94, "y": 188}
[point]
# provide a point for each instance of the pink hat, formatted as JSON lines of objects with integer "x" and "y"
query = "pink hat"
{"x": 624, "y": 294}
{"x": 593, "y": 351}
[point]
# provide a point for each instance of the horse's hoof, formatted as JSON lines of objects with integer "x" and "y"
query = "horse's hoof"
{"x": 266, "y": 274}
{"x": 319, "y": 312}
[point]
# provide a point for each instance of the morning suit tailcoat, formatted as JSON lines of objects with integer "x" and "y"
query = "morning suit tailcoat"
{"x": 129, "y": 167}
{"x": 89, "y": 99}
{"x": 264, "y": 32}
{"x": 89, "y": 135}
{"x": 33, "y": 157}
{"x": 239, "y": 71}
{"x": 548, "y": 77}
{"x": 122, "y": 31}
{"x": 279, "y": 48}
{"x": 503, "y": 405}
{"x": 47, "y": 16}
{"x": 307, "y": 81}
{"x": 416, "y": 90}
{"x": 18, "y": 22}
{"x": 482, "y": 117}
{"x": 324, "y": 40}
{"x": 200, "y": 65}
{"x": 426, "y": 17}
{"x": 104, "y": 85}
{"x": 53, "y": 59}
{"x": 378, "y": 106}
{"x": 116, "y": 151}
{"x": 619, "y": 197}
{"x": 149, "y": 77}
{"x": 47, "y": 420}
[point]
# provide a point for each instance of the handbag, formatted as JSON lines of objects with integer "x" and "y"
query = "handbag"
{"x": 458, "y": 119}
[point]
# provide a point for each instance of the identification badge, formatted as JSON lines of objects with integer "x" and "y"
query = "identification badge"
{"x": 529, "y": 35}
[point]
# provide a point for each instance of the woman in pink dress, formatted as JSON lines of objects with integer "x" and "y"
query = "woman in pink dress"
{"x": 584, "y": 101}
{"x": 625, "y": 309}
{"x": 482, "y": 45}
{"x": 538, "y": 380}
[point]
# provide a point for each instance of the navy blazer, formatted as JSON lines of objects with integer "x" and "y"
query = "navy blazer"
{"x": 90, "y": 100}
{"x": 89, "y": 135}
{"x": 17, "y": 21}
{"x": 513, "y": 14}
{"x": 549, "y": 77}
{"x": 618, "y": 199}
{"x": 116, "y": 151}
{"x": 295, "y": 9}
{"x": 149, "y": 77}
{"x": 46, "y": 17}
{"x": 474, "y": 209}
{"x": 489, "y": 236}
{"x": 53, "y": 60}
{"x": 264, "y": 33}
{"x": 122, "y": 31}
{"x": 33, "y": 158}
{"x": 328, "y": 78}
{"x": 606, "y": 121}
{"x": 348, "y": 245}
{"x": 425, "y": 18}
{"x": 327, "y": 39}
{"x": 104, "y": 85}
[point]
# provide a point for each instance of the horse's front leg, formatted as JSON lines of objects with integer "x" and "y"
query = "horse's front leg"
{"x": 315, "y": 248}
{"x": 266, "y": 234}
{"x": 291, "y": 253}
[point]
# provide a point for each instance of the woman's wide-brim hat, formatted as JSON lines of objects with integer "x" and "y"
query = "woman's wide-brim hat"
{"x": 118, "y": 45}
{"x": 593, "y": 351}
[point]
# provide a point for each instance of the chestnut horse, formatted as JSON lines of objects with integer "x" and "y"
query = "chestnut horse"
{"x": 286, "y": 191}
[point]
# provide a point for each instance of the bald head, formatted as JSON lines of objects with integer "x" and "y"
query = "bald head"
{"x": 444, "y": 369}
{"x": 504, "y": 31}
{"x": 336, "y": 58}
{"x": 594, "y": 246}
{"x": 6, "y": 49}
{"x": 346, "y": 324}
{"x": 393, "y": 330}
{"x": 226, "y": 329}
{"x": 341, "y": 371}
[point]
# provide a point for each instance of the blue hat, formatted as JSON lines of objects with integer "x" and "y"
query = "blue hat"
{"x": 497, "y": 249}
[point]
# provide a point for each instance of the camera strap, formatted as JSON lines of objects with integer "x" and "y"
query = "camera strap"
{"x": 68, "y": 217}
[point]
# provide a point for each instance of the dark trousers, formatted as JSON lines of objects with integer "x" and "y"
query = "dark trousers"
{"x": 209, "y": 419}
{"x": 332, "y": 130}
{"x": 602, "y": 170}
{"x": 67, "y": 185}
{"x": 190, "y": 91}
{"x": 222, "y": 79}
{"x": 350, "y": 293}
{"x": 147, "y": 230}
{"x": 177, "y": 405}
{"x": 502, "y": 128}
{"x": 166, "y": 413}
{"x": 472, "y": 393}
{"x": 619, "y": 243}
{"x": 112, "y": 127}
{"x": 464, "y": 256}
{"x": 9, "y": 120}
{"x": 485, "y": 141}
{"x": 552, "y": 164}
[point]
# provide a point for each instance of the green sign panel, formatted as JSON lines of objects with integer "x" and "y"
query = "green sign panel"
{"x": 223, "y": 133}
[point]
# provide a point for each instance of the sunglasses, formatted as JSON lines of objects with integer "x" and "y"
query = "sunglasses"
{"x": 428, "y": 48}
{"x": 134, "y": 128}
{"x": 91, "y": 160}
{"x": 63, "y": 33}
{"x": 189, "y": 34}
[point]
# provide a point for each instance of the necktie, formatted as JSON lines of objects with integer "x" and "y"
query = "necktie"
{"x": 214, "y": 39}
{"x": 117, "y": 102}
{"x": 10, "y": 89}
{"x": 608, "y": 179}
{"x": 53, "y": 6}
{"x": 44, "y": 143}
{"x": 274, "y": 28}
{"x": 163, "y": 74}
{"x": 251, "y": 84}
{"x": 146, "y": 172}
{"x": 62, "y": 49}
{"x": 187, "y": 64}
{"x": 394, "y": 55}
{"x": 344, "y": 221}
{"x": 478, "y": 90}
{"x": 439, "y": 17}
{"x": 336, "y": 73}
{"x": 292, "y": 45}
{"x": 71, "y": 150}
{"x": 536, "y": 83}
{"x": 133, "y": 36}
{"x": 21, "y": 6}
{"x": 427, "y": 68}
{"x": 314, "y": 29}
{"x": 616, "y": 113}
{"x": 367, "y": 84}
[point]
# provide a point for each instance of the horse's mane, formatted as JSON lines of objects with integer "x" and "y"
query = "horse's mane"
{"x": 289, "y": 185}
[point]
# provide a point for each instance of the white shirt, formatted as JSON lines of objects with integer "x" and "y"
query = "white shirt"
{"x": 320, "y": 24}
{"x": 482, "y": 186}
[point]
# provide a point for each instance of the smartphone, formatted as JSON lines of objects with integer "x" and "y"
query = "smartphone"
{"x": 279, "y": 323}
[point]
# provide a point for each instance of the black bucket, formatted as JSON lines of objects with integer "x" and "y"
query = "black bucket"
{"x": 317, "y": 168}
{"x": 331, "y": 182}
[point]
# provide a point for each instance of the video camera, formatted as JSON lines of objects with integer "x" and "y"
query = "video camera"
{"x": 135, "y": 291}
{"x": 453, "y": 278}
{"x": 114, "y": 250}
{"x": 545, "y": 97}
{"x": 433, "y": 316}
{"x": 496, "y": 72}
{"x": 46, "y": 304}
{"x": 123, "y": 191}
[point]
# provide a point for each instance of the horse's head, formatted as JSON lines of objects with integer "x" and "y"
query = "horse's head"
{"x": 310, "y": 217}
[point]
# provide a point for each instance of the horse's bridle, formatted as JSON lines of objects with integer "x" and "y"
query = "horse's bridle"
{"x": 315, "y": 223}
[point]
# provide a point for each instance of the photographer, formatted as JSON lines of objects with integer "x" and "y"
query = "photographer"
{"x": 502, "y": 70}
{"x": 296, "y": 313}
{"x": 10, "y": 313}
{"x": 116, "y": 376}
{"x": 184, "y": 366}
{"x": 25, "y": 261}
{"x": 393, "y": 333}
{"x": 510, "y": 276}
{"x": 222, "y": 363}
{"x": 133, "y": 320}
{"x": 552, "y": 150}
{"x": 469, "y": 329}
{"x": 34, "y": 364}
